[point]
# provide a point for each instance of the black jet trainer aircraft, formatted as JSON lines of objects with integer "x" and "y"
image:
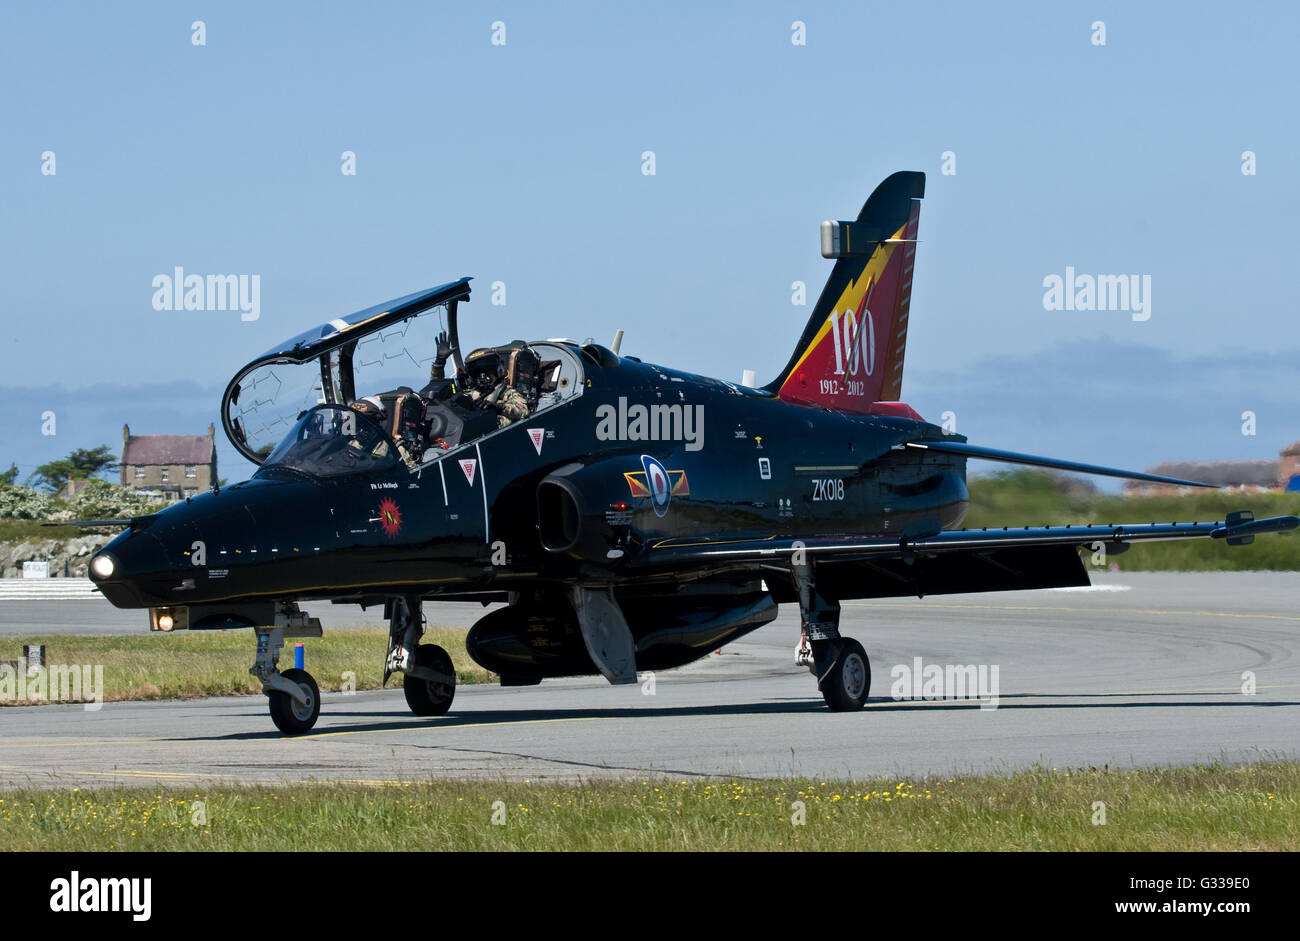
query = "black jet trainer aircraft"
{"x": 632, "y": 517}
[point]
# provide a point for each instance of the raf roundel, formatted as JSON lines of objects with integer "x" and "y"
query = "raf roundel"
{"x": 658, "y": 483}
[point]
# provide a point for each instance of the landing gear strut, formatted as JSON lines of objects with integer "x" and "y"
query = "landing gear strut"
{"x": 840, "y": 664}
{"x": 293, "y": 696}
{"x": 428, "y": 676}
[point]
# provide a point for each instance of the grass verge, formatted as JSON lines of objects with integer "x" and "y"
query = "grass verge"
{"x": 1201, "y": 808}
{"x": 190, "y": 664}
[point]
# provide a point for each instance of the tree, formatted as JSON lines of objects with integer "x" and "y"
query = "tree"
{"x": 10, "y": 476}
{"x": 81, "y": 464}
{"x": 90, "y": 461}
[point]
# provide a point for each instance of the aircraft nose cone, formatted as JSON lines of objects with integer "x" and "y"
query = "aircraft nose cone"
{"x": 130, "y": 569}
{"x": 263, "y": 533}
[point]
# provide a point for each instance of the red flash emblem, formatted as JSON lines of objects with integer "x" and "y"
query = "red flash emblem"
{"x": 390, "y": 518}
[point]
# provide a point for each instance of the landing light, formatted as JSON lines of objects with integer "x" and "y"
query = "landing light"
{"x": 102, "y": 566}
{"x": 165, "y": 622}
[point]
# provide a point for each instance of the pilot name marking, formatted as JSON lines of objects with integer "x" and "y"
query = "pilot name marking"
{"x": 651, "y": 423}
{"x": 384, "y": 485}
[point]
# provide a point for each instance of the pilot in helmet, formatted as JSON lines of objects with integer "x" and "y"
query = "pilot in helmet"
{"x": 488, "y": 385}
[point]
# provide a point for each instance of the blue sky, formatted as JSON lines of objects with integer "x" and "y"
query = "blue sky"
{"x": 522, "y": 163}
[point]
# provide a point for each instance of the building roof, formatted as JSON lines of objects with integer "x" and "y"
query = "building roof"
{"x": 146, "y": 450}
{"x": 1222, "y": 473}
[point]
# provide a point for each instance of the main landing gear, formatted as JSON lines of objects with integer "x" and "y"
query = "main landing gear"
{"x": 840, "y": 664}
{"x": 428, "y": 677}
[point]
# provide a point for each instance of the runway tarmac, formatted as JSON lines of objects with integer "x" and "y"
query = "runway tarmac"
{"x": 1142, "y": 670}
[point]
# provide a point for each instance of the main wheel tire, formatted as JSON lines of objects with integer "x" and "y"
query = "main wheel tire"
{"x": 290, "y": 716}
{"x": 846, "y": 686}
{"x": 427, "y": 697}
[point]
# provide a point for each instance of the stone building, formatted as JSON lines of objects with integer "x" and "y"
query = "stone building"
{"x": 1241, "y": 476}
{"x": 176, "y": 466}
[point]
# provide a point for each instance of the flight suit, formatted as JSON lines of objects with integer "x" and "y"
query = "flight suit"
{"x": 511, "y": 407}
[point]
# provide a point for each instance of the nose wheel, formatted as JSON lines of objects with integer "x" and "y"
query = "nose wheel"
{"x": 295, "y": 715}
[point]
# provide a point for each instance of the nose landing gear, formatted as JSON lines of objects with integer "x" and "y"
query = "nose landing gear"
{"x": 293, "y": 696}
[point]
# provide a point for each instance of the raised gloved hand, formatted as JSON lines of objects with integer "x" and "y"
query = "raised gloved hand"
{"x": 444, "y": 348}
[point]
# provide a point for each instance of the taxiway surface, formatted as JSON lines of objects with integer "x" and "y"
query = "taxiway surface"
{"x": 1142, "y": 670}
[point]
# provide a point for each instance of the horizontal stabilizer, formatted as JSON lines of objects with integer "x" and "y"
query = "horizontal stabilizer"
{"x": 1012, "y": 457}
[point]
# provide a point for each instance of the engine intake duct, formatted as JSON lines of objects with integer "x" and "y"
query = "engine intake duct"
{"x": 559, "y": 514}
{"x": 583, "y": 511}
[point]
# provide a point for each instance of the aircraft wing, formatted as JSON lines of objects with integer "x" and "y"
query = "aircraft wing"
{"x": 1239, "y": 528}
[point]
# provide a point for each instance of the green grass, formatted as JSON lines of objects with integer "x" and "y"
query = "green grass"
{"x": 16, "y": 531}
{"x": 1205, "y": 808}
{"x": 1032, "y": 498}
{"x": 189, "y": 664}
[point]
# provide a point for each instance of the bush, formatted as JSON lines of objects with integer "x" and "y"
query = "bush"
{"x": 23, "y": 503}
{"x": 100, "y": 499}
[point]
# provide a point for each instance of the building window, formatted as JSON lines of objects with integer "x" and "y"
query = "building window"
{"x": 191, "y": 491}
{"x": 164, "y": 475}
{"x": 191, "y": 470}
{"x": 139, "y": 473}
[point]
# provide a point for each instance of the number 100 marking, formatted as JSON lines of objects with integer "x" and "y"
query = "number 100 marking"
{"x": 847, "y": 336}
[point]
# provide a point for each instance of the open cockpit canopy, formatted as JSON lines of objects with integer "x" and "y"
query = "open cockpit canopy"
{"x": 386, "y": 346}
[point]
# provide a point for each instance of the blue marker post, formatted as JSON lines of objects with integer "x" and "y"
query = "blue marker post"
{"x": 299, "y": 656}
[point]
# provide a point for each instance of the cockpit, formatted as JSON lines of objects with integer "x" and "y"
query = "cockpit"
{"x": 331, "y": 441}
{"x": 388, "y": 386}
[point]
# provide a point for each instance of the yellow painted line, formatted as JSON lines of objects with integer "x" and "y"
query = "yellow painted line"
{"x": 1028, "y": 607}
{"x": 120, "y": 741}
{"x": 128, "y": 773}
{"x": 407, "y": 581}
{"x": 167, "y": 775}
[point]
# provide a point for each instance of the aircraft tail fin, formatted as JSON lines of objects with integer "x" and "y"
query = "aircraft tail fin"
{"x": 850, "y": 354}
